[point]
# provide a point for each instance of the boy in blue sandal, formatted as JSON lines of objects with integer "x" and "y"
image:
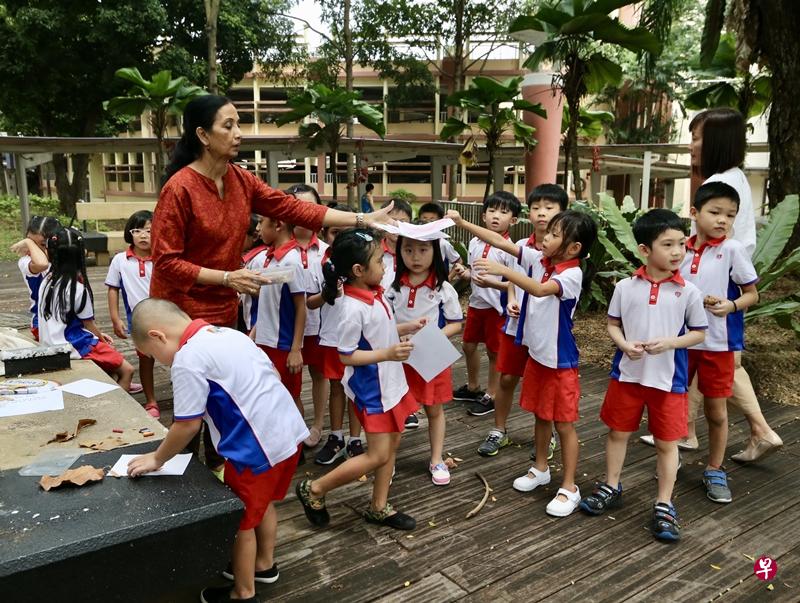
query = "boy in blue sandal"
{"x": 653, "y": 317}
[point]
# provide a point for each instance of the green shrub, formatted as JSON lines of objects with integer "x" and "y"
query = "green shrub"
{"x": 11, "y": 219}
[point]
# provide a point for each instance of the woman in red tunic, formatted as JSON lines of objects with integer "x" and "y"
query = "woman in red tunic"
{"x": 203, "y": 214}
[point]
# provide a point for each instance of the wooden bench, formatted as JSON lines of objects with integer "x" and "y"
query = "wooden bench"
{"x": 106, "y": 244}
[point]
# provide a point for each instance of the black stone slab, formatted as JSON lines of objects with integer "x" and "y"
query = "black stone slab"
{"x": 116, "y": 540}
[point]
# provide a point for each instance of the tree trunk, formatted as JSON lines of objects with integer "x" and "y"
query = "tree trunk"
{"x": 335, "y": 174}
{"x": 70, "y": 192}
{"x": 348, "y": 83}
{"x": 212, "y": 14}
{"x": 458, "y": 85}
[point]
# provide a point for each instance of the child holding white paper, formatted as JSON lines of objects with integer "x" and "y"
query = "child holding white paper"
{"x": 220, "y": 376}
{"x": 420, "y": 291}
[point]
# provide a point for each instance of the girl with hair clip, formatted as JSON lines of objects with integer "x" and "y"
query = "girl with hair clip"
{"x": 66, "y": 312}
{"x": 33, "y": 262}
{"x": 372, "y": 352}
{"x": 420, "y": 291}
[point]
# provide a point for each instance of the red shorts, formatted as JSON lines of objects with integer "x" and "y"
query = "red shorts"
{"x": 428, "y": 393}
{"x": 332, "y": 367}
{"x": 391, "y": 421}
{"x": 291, "y": 381}
{"x": 312, "y": 355}
{"x": 257, "y": 491}
{"x": 667, "y": 412}
{"x": 511, "y": 358}
{"x": 105, "y": 356}
{"x": 484, "y": 326}
{"x": 551, "y": 394}
{"x": 35, "y": 333}
{"x": 714, "y": 372}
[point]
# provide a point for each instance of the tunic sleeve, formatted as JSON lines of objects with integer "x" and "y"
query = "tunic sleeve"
{"x": 171, "y": 220}
{"x": 267, "y": 201}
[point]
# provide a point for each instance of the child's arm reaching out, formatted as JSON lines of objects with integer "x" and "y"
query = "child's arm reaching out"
{"x": 178, "y": 437}
{"x": 530, "y": 285}
{"x": 494, "y": 239}
{"x": 91, "y": 326}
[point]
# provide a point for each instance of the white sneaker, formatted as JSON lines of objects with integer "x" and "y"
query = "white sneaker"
{"x": 648, "y": 439}
{"x": 562, "y": 508}
{"x": 440, "y": 474}
{"x": 532, "y": 479}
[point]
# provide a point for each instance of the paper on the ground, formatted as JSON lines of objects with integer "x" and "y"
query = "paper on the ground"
{"x": 431, "y": 231}
{"x": 175, "y": 466}
{"x": 26, "y": 404}
{"x": 432, "y": 352}
{"x": 88, "y": 388}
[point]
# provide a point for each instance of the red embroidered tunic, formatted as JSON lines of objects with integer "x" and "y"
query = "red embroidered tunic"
{"x": 194, "y": 228}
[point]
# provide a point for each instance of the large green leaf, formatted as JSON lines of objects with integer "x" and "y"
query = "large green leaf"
{"x": 536, "y": 108}
{"x": 635, "y": 40}
{"x": 584, "y": 24}
{"x": 524, "y": 134}
{"x": 614, "y": 252}
{"x": 548, "y": 50}
{"x": 783, "y": 306}
{"x": 526, "y": 23}
{"x": 133, "y": 75}
{"x": 127, "y": 105}
{"x": 787, "y": 265}
{"x": 606, "y": 6}
{"x": 621, "y": 227}
{"x": 452, "y": 127}
{"x": 772, "y": 239}
{"x": 553, "y": 17}
{"x": 601, "y": 72}
{"x": 719, "y": 94}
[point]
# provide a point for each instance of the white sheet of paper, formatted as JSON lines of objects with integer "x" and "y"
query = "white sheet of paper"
{"x": 88, "y": 388}
{"x": 432, "y": 352}
{"x": 27, "y": 404}
{"x": 432, "y": 231}
{"x": 175, "y": 466}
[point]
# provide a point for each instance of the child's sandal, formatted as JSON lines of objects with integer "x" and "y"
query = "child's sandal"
{"x": 314, "y": 508}
{"x": 602, "y": 498}
{"x": 385, "y": 517}
{"x": 665, "y": 524}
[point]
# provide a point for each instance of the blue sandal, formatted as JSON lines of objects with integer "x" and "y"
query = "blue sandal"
{"x": 665, "y": 524}
{"x": 603, "y": 497}
{"x": 716, "y": 483}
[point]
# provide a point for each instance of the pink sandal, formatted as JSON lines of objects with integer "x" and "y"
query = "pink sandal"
{"x": 153, "y": 410}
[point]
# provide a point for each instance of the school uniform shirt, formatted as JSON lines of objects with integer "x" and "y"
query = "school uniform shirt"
{"x": 719, "y": 267}
{"x": 131, "y": 275}
{"x": 219, "y": 375}
{"x": 367, "y": 324}
{"x": 449, "y": 254}
{"x": 389, "y": 266}
{"x": 250, "y": 302}
{"x": 32, "y": 282}
{"x": 528, "y": 255}
{"x": 484, "y": 298}
{"x": 276, "y": 312}
{"x": 311, "y": 257}
{"x": 53, "y": 331}
{"x": 547, "y": 328}
{"x": 649, "y": 309}
{"x": 439, "y": 306}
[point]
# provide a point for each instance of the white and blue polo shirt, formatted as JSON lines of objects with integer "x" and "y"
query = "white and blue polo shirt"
{"x": 439, "y": 306}
{"x": 449, "y": 254}
{"x": 389, "y": 265}
{"x": 649, "y": 309}
{"x": 367, "y": 324}
{"x": 32, "y": 282}
{"x": 131, "y": 275}
{"x": 250, "y": 302}
{"x": 547, "y": 327}
{"x": 719, "y": 267}
{"x": 528, "y": 254}
{"x": 276, "y": 312}
{"x": 312, "y": 257}
{"x": 219, "y": 375}
{"x": 53, "y": 331}
{"x": 484, "y": 298}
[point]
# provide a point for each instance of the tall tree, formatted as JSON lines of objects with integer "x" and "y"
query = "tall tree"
{"x": 57, "y": 64}
{"x": 212, "y": 19}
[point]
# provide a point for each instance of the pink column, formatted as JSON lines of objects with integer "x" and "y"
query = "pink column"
{"x": 541, "y": 164}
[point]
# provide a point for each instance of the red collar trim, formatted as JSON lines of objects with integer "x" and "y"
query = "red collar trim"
{"x": 280, "y": 252}
{"x": 386, "y": 248}
{"x": 676, "y": 277}
{"x": 561, "y": 266}
{"x": 690, "y": 244}
{"x": 313, "y": 242}
{"x": 192, "y": 330}
{"x": 130, "y": 253}
{"x": 327, "y": 255}
{"x": 429, "y": 282}
{"x": 366, "y": 295}
{"x": 531, "y": 242}
{"x": 253, "y": 253}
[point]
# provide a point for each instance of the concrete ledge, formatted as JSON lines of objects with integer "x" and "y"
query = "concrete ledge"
{"x": 118, "y": 210}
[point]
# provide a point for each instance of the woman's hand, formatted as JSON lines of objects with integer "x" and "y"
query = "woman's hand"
{"x": 247, "y": 281}
{"x": 380, "y": 217}
{"x": 119, "y": 329}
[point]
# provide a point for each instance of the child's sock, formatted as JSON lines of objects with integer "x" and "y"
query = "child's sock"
{"x": 352, "y": 439}
{"x": 338, "y": 434}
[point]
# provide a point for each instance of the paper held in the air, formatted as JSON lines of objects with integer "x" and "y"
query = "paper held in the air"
{"x": 174, "y": 466}
{"x": 432, "y": 352}
{"x": 432, "y": 231}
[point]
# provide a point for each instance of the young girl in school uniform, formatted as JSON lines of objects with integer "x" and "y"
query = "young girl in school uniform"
{"x": 420, "y": 291}
{"x": 66, "y": 314}
{"x": 371, "y": 350}
{"x": 33, "y": 262}
{"x": 129, "y": 274}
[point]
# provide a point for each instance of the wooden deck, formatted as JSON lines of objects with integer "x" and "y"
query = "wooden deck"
{"x": 512, "y": 551}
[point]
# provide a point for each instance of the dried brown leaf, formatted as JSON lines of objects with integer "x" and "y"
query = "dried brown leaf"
{"x": 76, "y": 477}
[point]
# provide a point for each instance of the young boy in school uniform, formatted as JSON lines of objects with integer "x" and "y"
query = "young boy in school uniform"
{"x": 721, "y": 268}
{"x": 653, "y": 317}
{"x": 401, "y": 212}
{"x": 221, "y": 377}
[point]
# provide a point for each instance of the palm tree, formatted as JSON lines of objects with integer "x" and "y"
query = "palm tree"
{"x": 574, "y": 33}
{"x": 496, "y": 105}
{"x": 162, "y": 96}
{"x": 331, "y": 110}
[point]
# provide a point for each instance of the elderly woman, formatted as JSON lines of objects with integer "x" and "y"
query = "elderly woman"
{"x": 204, "y": 211}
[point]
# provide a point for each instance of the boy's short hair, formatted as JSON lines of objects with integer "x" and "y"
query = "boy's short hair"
{"x": 400, "y": 205}
{"x": 433, "y": 207}
{"x": 137, "y": 220}
{"x": 714, "y": 190}
{"x": 549, "y": 192}
{"x": 502, "y": 200}
{"x": 649, "y": 226}
{"x": 369, "y": 187}
{"x": 150, "y": 311}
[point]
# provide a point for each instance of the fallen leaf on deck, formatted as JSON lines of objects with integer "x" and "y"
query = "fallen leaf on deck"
{"x": 457, "y": 460}
{"x": 749, "y": 557}
{"x": 363, "y": 478}
{"x": 494, "y": 499}
{"x": 450, "y": 462}
{"x": 77, "y": 477}
{"x": 410, "y": 536}
{"x": 407, "y": 583}
{"x": 432, "y": 524}
{"x": 716, "y": 567}
{"x": 770, "y": 587}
